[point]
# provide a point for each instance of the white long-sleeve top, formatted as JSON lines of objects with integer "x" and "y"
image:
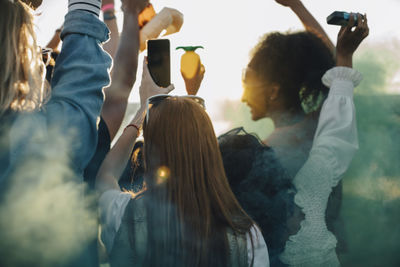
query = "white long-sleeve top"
{"x": 112, "y": 205}
{"x": 334, "y": 146}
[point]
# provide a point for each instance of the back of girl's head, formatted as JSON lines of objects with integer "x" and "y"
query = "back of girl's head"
{"x": 180, "y": 133}
{"x": 21, "y": 68}
{"x": 260, "y": 184}
{"x": 296, "y": 62}
{"x": 190, "y": 196}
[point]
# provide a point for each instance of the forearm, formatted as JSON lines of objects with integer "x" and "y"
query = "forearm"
{"x": 123, "y": 74}
{"x": 55, "y": 41}
{"x": 311, "y": 24}
{"x": 112, "y": 45}
{"x": 126, "y": 58}
{"x": 334, "y": 146}
{"x": 115, "y": 161}
{"x": 336, "y": 135}
{"x": 80, "y": 74}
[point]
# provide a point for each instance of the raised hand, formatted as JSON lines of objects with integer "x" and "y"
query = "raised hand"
{"x": 149, "y": 88}
{"x": 193, "y": 84}
{"x": 349, "y": 38}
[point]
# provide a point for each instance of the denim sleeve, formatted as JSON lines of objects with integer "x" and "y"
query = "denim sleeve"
{"x": 80, "y": 74}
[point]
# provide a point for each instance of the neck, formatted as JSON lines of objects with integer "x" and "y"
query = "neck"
{"x": 288, "y": 117}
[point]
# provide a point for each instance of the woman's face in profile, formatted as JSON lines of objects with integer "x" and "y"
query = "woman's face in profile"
{"x": 255, "y": 94}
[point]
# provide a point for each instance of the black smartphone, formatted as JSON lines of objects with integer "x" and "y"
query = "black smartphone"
{"x": 158, "y": 61}
{"x": 340, "y": 18}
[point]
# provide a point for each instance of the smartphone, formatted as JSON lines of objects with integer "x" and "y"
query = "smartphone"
{"x": 340, "y": 18}
{"x": 158, "y": 61}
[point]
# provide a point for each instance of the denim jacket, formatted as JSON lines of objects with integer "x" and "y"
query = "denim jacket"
{"x": 64, "y": 131}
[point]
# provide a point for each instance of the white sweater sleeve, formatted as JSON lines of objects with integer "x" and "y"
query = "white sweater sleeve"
{"x": 112, "y": 204}
{"x": 334, "y": 146}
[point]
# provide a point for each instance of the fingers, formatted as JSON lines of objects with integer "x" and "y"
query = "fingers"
{"x": 146, "y": 73}
{"x": 364, "y": 26}
{"x": 362, "y": 29}
{"x": 352, "y": 22}
{"x": 342, "y": 30}
{"x": 145, "y": 68}
{"x": 168, "y": 89}
{"x": 202, "y": 69}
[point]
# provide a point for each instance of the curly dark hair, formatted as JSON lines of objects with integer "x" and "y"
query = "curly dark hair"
{"x": 296, "y": 62}
{"x": 261, "y": 186}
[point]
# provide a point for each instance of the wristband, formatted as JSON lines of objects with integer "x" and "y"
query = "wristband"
{"x": 107, "y": 7}
{"x": 134, "y": 126}
{"x": 109, "y": 16}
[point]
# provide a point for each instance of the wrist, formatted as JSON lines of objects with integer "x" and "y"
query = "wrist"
{"x": 133, "y": 127}
{"x": 108, "y": 8}
{"x": 138, "y": 119}
{"x": 344, "y": 60}
{"x": 109, "y": 14}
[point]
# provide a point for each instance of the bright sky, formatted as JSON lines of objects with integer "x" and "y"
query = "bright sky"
{"x": 228, "y": 29}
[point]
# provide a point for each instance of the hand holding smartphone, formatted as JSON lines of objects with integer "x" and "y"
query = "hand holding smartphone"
{"x": 158, "y": 61}
{"x": 340, "y": 18}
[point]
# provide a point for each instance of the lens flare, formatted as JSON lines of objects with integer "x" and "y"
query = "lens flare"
{"x": 163, "y": 173}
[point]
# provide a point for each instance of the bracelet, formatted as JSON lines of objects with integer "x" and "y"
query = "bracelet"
{"x": 134, "y": 126}
{"x": 109, "y": 16}
{"x": 107, "y": 7}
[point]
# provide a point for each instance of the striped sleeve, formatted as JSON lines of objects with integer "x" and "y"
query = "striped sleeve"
{"x": 92, "y": 6}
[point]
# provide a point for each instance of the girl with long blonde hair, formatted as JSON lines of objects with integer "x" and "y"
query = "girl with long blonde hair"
{"x": 21, "y": 73}
{"x": 33, "y": 125}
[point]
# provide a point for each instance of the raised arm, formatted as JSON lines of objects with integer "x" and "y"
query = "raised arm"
{"x": 81, "y": 72}
{"x": 55, "y": 40}
{"x": 115, "y": 161}
{"x": 110, "y": 19}
{"x": 309, "y": 22}
{"x": 334, "y": 146}
{"x": 125, "y": 67}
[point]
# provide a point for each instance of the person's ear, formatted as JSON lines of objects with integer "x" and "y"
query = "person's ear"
{"x": 275, "y": 88}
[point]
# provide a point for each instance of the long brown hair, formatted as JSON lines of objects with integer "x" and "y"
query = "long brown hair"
{"x": 190, "y": 204}
{"x": 21, "y": 72}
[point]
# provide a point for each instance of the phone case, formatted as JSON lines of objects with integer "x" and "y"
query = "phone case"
{"x": 158, "y": 58}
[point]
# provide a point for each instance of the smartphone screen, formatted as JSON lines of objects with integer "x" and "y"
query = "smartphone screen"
{"x": 158, "y": 58}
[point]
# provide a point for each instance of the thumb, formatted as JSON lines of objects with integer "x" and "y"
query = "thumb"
{"x": 202, "y": 69}
{"x": 145, "y": 68}
{"x": 146, "y": 76}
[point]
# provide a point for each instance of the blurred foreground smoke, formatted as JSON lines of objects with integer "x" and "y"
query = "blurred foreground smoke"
{"x": 371, "y": 187}
{"x": 44, "y": 218}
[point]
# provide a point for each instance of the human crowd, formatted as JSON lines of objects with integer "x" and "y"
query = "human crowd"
{"x": 169, "y": 192}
